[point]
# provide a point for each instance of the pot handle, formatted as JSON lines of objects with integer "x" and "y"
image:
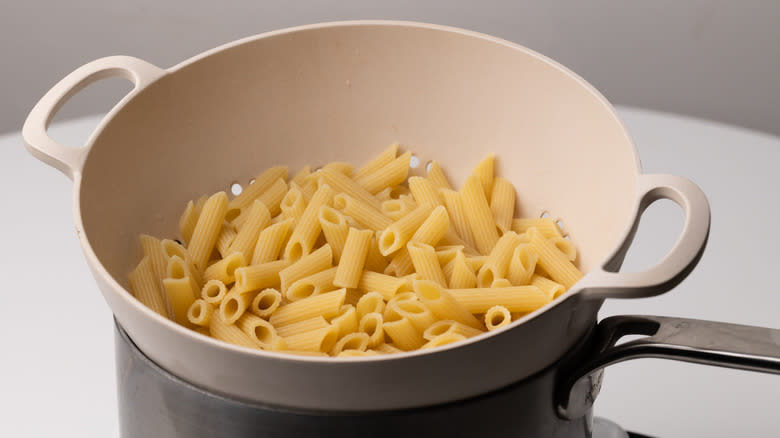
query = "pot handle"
{"x": 605, "y": 282}
{"x": 69, "y": 160}
{"x": 689, "y": 340}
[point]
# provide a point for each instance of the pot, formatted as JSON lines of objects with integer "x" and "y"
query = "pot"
{"x": 343, "y": 91}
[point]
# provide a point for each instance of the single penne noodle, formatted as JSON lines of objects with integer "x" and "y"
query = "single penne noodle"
{"x": 449, "y": 326}
{"x": 200, "y": 313}
{"x": 479, "y": 216}
{"x": 271, "y": 241}
{"x": 462, "y": 276}
{"x": 306, "y": 325}
{"x": 363, "y": 213}
{"x": 565, "y": 246}
{"x": 344, "y": 184}
{"x": 502, "y": 203}
{"x": 551, "y": 288}
{"x": 346, "y": 320}
{"x": 225, "y": 238}
{"x": 447, "y": 338}
{"x": 353, "y": 259}
{"x": 515, "y": 298}
{"x": 293, "y": 205}
{"x": 225, "y": 269}
{"x": 443, "y": 304}
{"x": 401, "y": 231}
{"x": 384, "y": 158}
{"x": 229, "y": 333}
{"x": 327, "y": 305}
{"x": 485, "y": 171}
{"x": 387, "y": 349}
{"x": 371, "y": 324}
{"x": 260, "y": 276}
{"x": 317, "y": 261}
{"x": 235, "y": 304}
{"x": 173, "y": 248}
{"x": 258, "y": 217}
{"x": 403, "y": 334}
{"x": 158, "y": 259}
{"x": 435, "y": 226}
{"x": 207, "y": 229}
{"x": 261, "y": 332}
{"x": 322, "y": 339}
{"x": 340, "y": 166}
{"x": 497, "y": 316}
{"x": 213, "y": 292}
{"x": 401, "y": 264}
{"x": 146, "y": 287}
{"x": 200, "y": 203}
{"x": 300, "y": 177}
{"x": 334, "y": 228}
{"x": 500, "y": 282}
{"x": 416, "y": 312}
{"x": 437, "y": 177}
{"x": 187, "y": 222}
{"x": 355, "y": 341}
{"x": 181, "y": 293}
{"x": 390, "y": 312}
{"x": 497, "y": 262}
{"x": 314, "y": 284}
{"x": 553, "y": 261}
{"x": 309, "y": 189}
{"x": 386, "y": 285}
{"x": 424, "y": 191}
{"x": 456, "y": 211}
{"x": 272, "y": 198}
{"x": 395, "y": 209}
{"x": 392, "y": 174}
{"x": 426, "y": 263}
{"x": 522, "y": 265}
{"x": 375, "y": 261}
{"x": 545, "y": 225}
{"x": 370, "y": 302}
{"x": 447, "y": 253}
{"x": 262, "y": 183}
{"x": 265, "y": 303}
{"x": 308, "y": 227}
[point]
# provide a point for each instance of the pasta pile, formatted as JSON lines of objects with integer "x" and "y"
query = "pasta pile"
{"x": 355, "y": 262}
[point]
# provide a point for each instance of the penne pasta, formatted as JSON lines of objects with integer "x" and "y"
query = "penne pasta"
{"x": 271, "y": 241}
{"x": 199, "y": 313}
{"x": 311, "y": 285}
{"x": 462, "y": 276}
{"x": 293, "y": 204}
{"x": 515, "y": 298}
{"x": 433, "y": 228}
{"x": 424, "y": 191}
{"x": 265, "y": 303}
{"x": 335, "y": 229}
{"x": 401, "y": 231}
{"x": 158, "y": 259}
{"x": 181, "y": 290}
{"x": 261, "y": 332}
{"x": 522, "y": 265}
{"x": 187, "y": 222}
{"x": 372, "y": 325}
{"x": 308, "y": 227}
{"x": 340, "y": 166}
{"x": 449, "y": 326}
{"x": 384, "y": 158}
{"x": 225, "y": 269}
{"x": 213, "y": 292}
{"x": 355, "y": 341}
{"x": 207, "y": 229}
{"x": 385, "y": 285}
{"x": 479, "y": 216}
{"x": 401, "y": 264}
{"x": 426, "y": 263}
{"x": 552, "y": 260}
{"x": 403, "y": 334}
{"x": 257, "y": 218}
{"x": 344, "y": 184}
{"x": 438, "y": 341}
{"x": 392, "y": 174}
{"x": 225, "y": 238}
{"x": 502, "y": 203}
{"x": 306, "y": 325}
{"x": 456, "y": 210}
{"x": 261, "y": 276}
{"x": 550, "y": 288}
{"x": 437, "y": 177}
{"x": 497, "y": 317}
{"x": 395, "y": 209}
{"x": 300, "y": 177}
{"x": 327, "y": 305}
{"x": 353, "y": 259}
{"x": 235, "y": 304}
{"x": 387, "y": 349}
{"x": 544, "y": 225}
{"x": 346, "y": 320}
{"x": 416, "y": 312}
{"x": 321, "y": 340}
{"x": 565, "y": 246}
{"x": 146, "y": 287}
{"x": 443, "y": 304}
{"x": 485, "y": 172}
{"x": 317, "y": 261}
{"x": 375, "y": 261}
{"x": 497, "y": 262}
{"x": 229, "y": 333}
{"x": 363, "y": 213}
{"x": 370, "y": 302}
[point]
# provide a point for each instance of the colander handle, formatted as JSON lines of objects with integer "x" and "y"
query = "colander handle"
{"x": 69, "y": 160}
{"x": 605, "y": 282}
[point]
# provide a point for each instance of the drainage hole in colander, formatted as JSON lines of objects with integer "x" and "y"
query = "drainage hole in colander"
{"x": 544, "y": 214}
{"x": 252, "y": 181}
{"x": 428, "y": 166}
{"x": 236, "y": 189}
{"x": 414, "y": 162}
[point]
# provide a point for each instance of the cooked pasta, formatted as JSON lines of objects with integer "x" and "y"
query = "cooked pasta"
{"x": 356, "y": 261}
{"x": 353, "y": 258}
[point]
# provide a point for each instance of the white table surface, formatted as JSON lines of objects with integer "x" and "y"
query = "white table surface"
{"x": 57, "y": 363}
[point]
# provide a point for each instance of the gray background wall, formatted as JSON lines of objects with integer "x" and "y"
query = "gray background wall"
{"x": 717, "y": 59}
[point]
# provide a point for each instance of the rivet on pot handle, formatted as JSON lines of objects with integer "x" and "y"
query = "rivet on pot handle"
{"x": 689, "y": 340}
{"x": 604, "y": 282}
{"x": 66, "y": 159}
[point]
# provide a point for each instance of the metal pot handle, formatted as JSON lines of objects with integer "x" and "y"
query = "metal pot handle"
{"x": 689, "y": 340}
{"x": 605, "y": 282}
{"x": 70, "y": 160}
